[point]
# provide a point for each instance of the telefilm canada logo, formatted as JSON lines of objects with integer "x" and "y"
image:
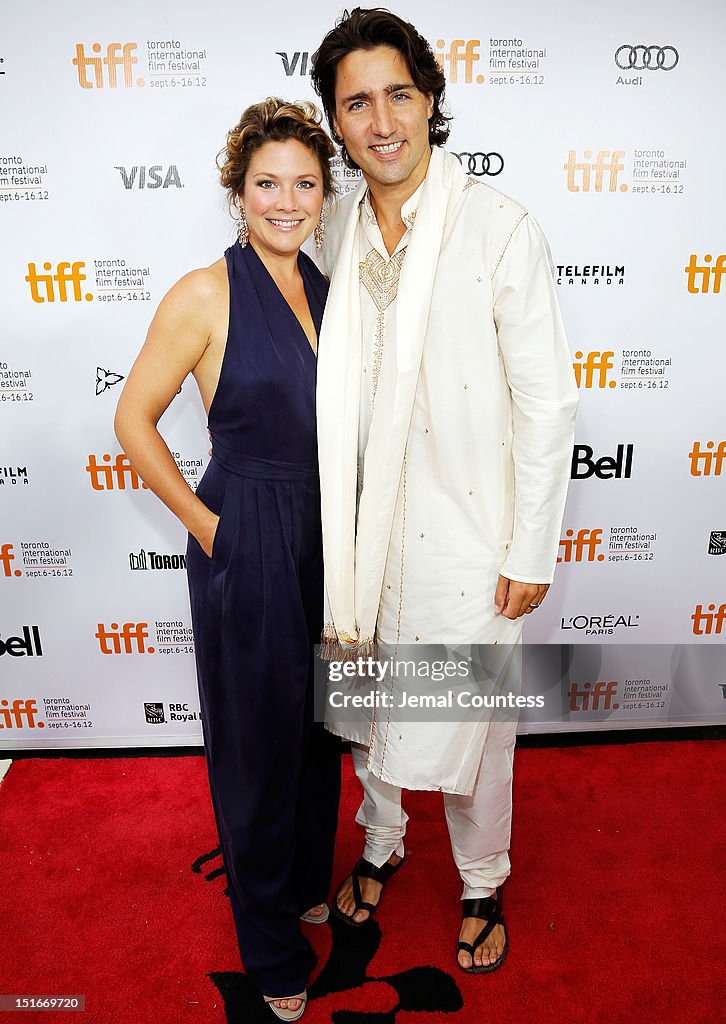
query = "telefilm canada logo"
{"x": 590, "y": 273}
{"x": 13, "y": 476}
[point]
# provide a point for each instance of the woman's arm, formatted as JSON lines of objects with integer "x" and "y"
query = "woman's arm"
{"x": 178, "y": 340}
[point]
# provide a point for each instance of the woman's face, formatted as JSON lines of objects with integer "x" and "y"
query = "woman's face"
{"x": 282, "y": 196}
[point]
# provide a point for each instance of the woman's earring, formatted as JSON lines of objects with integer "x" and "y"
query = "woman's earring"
{"x": 319, "y": 232}
{"x": 243, "y": 232}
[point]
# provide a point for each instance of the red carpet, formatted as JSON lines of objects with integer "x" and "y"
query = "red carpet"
{"x": 614, "y": 908}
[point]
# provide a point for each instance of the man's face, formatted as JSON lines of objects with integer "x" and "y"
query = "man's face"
{"x": 382, "y": 117}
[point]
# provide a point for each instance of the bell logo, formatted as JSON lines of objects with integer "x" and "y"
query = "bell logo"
{"x": 593, "y": 371}
{"x": 129, "y": 639}
{"x": 581, "y": 548}
{"x": 18, "y": 714}
{"x": 6, "y": 560}
{"x": 709, "y": 622}
{"x": 709, "y": 275}
{"x": 113, "y": 477}
{"x": 588, "y": 698}
{"x": 117, "y": 55}
{"x": 592, "y": 175}
{"x": 461, "y": 51}
{"x": 26, "y": 646}
{"x": 605, "y": 468}
{"x": 41, "y": 285}
{"x": 152, "y": 177}
{"x": 708, "y": 462}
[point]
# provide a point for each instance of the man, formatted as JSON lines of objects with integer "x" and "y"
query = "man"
{"x": 445, "y": 389}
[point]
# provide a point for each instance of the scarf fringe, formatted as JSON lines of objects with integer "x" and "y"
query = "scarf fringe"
{"x": 335, "y": 649}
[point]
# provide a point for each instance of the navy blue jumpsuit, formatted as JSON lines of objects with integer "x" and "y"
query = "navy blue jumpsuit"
{"x": 256, "y": 605}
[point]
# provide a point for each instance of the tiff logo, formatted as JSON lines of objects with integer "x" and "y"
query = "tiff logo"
{"x": 709, "y": 462}
{"x": 117, "y": 55}
{"x": 15, "y": 474}
{"x": 710, "y": 622}
{"x": 152, "y": 177}
{"x": 589, "y": 697}
{"x": 593, "y": 371}
{"x": 18, "y": 714}
{"x": 581, "y": 548}
{"x": 461, "y": 51}
{"x": 113, "y": 477}
{"x": 128, "y": 639}
{"x": 6, "y": 560}
{"x": 299, "y": 60}
{"x": 66, "y": 273}
{"x": 707, "y": 273}
{"x": 592, "y": 175}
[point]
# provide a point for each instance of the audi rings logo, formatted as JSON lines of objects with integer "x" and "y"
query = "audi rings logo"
{"x": 480, "y": 164}
{"x": 646, "y": 58}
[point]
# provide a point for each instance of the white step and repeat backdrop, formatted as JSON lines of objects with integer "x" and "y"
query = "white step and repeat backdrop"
{"x": 605, "y": 120}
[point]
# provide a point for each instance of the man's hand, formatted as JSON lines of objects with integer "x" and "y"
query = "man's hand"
{"x": 512, "y": 599}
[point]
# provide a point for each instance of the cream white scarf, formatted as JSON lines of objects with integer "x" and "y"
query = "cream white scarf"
{"x": 355, "y": 553}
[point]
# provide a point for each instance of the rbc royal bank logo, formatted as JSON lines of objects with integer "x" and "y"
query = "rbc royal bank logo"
{"x": 581, "y": 547}
{"x": 97, "y": 72}
{"x": 592, "y": 370}
{"x": 701, "y": 273}
{"x": 597, "y": 697}
{"x": 116, "y": 476}
{"x": 460, "y": 51}
{"x": 598, "y": 175}
{"x": 20, "y": 714}
{"x": 50, "y": 286}
{"x": 127, "y": 639}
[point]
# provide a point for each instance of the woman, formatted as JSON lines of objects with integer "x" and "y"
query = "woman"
{"x": 247, "y": 328}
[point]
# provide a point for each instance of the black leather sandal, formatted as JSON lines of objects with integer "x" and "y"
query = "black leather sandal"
{"x": 364, "y": 869}
{"x": 489, "y": 909}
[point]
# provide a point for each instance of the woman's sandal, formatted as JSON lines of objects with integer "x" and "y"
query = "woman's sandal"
{"x": 310, "y": 918}
{"x": 490, "y": 910}
{"x": 364, "y": 869}
{"x": 282, "y": 1013}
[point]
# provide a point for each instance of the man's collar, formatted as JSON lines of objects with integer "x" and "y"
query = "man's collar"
{"x": 408, "y": 210}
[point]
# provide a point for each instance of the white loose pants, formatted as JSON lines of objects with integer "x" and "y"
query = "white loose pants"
{"x": 479, "y": 825}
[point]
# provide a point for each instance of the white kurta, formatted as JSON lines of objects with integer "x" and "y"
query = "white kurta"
{"x": 477, "y": 484}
